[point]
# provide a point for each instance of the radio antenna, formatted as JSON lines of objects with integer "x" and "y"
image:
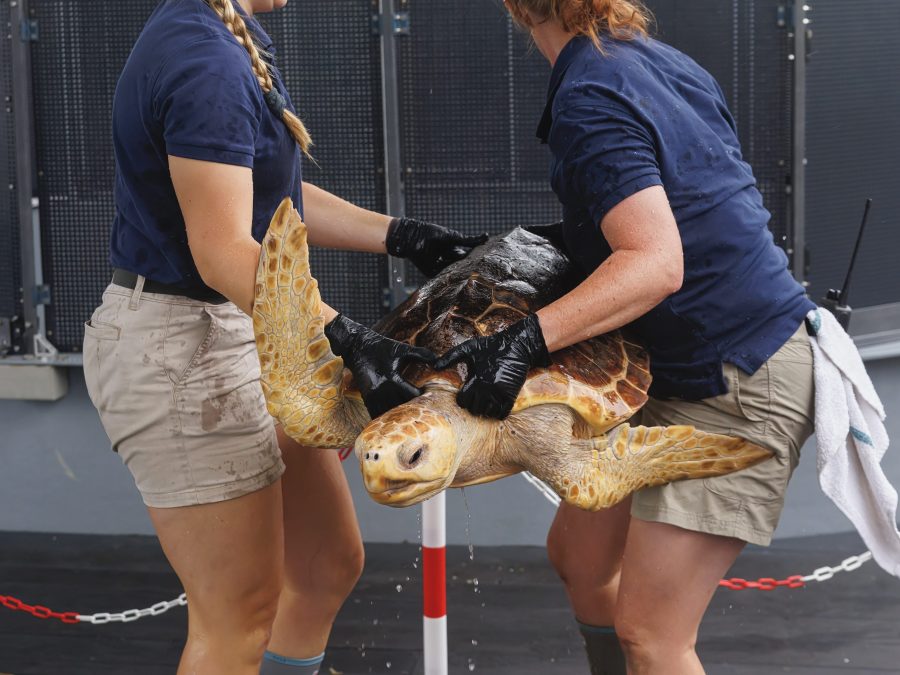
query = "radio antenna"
{"x": 836, "y": 299}
{"x": 845, "y": 289}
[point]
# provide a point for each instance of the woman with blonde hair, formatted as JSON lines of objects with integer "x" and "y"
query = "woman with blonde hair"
{"x": 663, "y": 217}
{"x": 207, "y": 143}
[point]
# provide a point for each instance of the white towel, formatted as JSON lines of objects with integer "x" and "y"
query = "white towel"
{"x": 851, "y": 440}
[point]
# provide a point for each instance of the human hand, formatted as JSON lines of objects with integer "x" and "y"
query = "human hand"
{"x": 498, "y": 365}
{"x": 430, "y": 247}
{"x": 375, "y": 362}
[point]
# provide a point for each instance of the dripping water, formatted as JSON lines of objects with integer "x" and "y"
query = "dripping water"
{"x": 468, "y": 523}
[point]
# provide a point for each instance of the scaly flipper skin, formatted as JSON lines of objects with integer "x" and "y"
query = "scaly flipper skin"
{"x": 631, "y": 458}
{"x": 303, "y": 381}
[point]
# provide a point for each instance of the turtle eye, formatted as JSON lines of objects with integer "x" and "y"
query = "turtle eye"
{"x": 410, "y": 461}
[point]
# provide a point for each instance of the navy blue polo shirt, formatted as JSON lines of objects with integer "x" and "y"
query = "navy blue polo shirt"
{"x": 188, "y": 90}
{"x": 644, "y": 114}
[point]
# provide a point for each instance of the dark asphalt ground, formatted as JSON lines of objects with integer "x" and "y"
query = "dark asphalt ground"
{"x": 514, "y": 622}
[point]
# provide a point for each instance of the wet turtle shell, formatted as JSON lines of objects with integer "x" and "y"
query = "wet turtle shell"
{"x": 604, "y": 379}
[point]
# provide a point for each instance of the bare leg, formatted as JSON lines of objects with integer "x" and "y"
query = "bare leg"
{"x": 586, "y": 550}
{"x": 228, "y": 556}
{"x": 669, "y": 576}
{"x": 323, "y": 549}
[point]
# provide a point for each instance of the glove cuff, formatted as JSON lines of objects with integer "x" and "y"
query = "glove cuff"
{"x": 397, "y": 237}
{"x": 341, "y": 333}
{"x": 540, "y": 356}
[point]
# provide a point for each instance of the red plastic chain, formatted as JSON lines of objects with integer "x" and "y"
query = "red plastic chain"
{"x": 344, "y": 453}
{"x": 37, "y": 610}
{"x": 764, "y": 584}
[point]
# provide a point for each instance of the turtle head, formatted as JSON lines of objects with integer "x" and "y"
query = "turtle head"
{"x": 411, "y": 452}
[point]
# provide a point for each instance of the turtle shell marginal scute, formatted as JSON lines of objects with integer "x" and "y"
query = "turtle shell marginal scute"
{"x": 604, "y": 379}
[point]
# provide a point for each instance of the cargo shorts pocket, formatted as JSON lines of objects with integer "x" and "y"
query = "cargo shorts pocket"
{"x": 100, "y": 342}
{"x": 190, "y": 334}
{"x": 98, "y": 330}
{"x": 752, "y": 394}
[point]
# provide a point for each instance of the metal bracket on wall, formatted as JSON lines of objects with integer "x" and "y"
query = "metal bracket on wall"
{"x": 28, "y": 30}
{"x": 399, "y": 24}
{"x": 44, "y": 349}
{"x": 42, "y": 294}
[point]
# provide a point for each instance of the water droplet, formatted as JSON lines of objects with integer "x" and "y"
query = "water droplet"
{"x": 468, "y": 522}
{"x": 388, "y": 664}
{"x": 474, "y": 643}
{"x": 399, "y": 588}
{"x": 471, "y": 665}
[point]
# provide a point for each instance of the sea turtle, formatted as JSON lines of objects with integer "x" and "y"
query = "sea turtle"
{"x": 568, "y": 426}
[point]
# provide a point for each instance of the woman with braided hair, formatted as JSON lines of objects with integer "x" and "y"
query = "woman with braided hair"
{"x": 663, "y": 218}
{"x": 207, "y": 144}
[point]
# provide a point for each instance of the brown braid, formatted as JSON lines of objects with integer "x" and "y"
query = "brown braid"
{"x": 236, "y": 25}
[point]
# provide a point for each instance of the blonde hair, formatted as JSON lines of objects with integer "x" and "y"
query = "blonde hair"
{"x": 238, "y": 27}
{"x": 622, "y": 19}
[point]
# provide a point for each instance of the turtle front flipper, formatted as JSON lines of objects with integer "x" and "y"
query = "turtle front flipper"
{"x": 631, "y": 458}
{"x": 303, "y": 381}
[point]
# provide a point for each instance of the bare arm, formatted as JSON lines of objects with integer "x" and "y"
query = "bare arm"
{"x": 217, "y": 204}
{"x": 645, "y": 267}
{"x": 336, "y": 223}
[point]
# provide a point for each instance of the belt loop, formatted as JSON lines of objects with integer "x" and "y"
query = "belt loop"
{"x": 135, "y": 301}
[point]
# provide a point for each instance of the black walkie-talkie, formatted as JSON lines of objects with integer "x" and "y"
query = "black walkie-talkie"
{"x": 835, "y": 300}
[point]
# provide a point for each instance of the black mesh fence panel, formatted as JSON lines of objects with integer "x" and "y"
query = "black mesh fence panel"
{"x": 331, "y": 63}
{"x": 743, "y": 46}
{"x": 10, "y": 272}
{"x": 473, "y": 88}
{"x": 853, "y": 148}
{"x": 329, "y": 58}
{"x": 76, "y": 62}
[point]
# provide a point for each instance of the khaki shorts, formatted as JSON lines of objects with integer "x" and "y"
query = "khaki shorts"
{"x": 772, "y": 408}
{"x": 176, "y": 383}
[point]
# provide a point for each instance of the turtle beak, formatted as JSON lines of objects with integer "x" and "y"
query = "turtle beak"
{"x": 407, "y": 459}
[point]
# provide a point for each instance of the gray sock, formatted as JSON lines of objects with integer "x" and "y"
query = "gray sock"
{"x": 275, "y": 664}
{"x": 604, "y": 652}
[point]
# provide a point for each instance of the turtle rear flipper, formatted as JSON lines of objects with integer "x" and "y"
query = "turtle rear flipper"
{"x": 303, "y": 381}
{"x": 631, "y": 458}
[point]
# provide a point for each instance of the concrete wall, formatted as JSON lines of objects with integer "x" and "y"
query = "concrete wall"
{"x": 57, "y": 474}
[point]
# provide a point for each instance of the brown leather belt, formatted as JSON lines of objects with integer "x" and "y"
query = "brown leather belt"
{"x": 202, "y": 294}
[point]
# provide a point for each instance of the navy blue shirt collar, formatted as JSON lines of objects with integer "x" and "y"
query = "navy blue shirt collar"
{"x": 563, "y": 61}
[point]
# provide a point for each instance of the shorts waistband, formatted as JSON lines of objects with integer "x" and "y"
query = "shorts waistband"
{"x": 130, "y": 280}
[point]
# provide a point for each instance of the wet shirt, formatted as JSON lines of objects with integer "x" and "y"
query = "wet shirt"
{"x": 643, "y": 114}
{"x": 188, "y": 90}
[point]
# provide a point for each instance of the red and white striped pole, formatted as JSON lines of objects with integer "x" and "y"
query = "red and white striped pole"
{"x": 434, "y": 584}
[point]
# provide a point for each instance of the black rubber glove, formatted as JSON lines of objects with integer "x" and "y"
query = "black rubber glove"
{"x": 552, "y": 232}
{"x": 375, "y": 362}
{"x": 430, "y": 247}
{"x": 498, "y": 365}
